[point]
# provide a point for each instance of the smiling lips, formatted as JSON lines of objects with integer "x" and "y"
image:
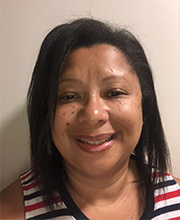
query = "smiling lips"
{"x": 96, "y": 143}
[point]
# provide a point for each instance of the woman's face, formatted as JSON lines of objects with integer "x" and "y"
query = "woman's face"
{"x": 98, "y": 119}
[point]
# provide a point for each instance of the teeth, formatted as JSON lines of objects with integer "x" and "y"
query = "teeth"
{"x": 95, "y": 142}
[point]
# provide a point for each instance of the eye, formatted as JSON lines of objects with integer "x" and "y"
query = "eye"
{"x": 68, "y": 97}
{"x": 115, "y": 93}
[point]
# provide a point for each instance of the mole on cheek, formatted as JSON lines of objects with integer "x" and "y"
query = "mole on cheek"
{"x": 67, "y": 124}
{"x": 73, "y": 106}
{"x": 72, "y": 113}
{"x": 64, "y": 113}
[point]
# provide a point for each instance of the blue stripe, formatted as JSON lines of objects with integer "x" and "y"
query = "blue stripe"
{"x": 166, "y": 209}
{"x": 164, "y": 184}
{"x": 52, "y": 214}
{"x": 33, "y": 195}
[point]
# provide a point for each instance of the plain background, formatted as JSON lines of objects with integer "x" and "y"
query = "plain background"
{"x": 24, "y": 24}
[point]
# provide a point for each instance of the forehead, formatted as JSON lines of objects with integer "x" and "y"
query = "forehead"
{"x": 97, "y": 55}
{"x": 98, "y": 65}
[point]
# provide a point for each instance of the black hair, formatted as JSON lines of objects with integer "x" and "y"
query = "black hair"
{"x": 43, "y": 95}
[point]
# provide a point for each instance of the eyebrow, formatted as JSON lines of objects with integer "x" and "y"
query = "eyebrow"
{"x": 112, "y": 77}
{"x": 70, "y": 80}
{"x": 107, "y": 78}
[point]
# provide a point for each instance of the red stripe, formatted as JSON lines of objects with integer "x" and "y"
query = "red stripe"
{"x": 33, "y": 207}
{"x": 28, "y": 187}
{"x": 39, "y": 205}
{"x": 26, "y": 175}
{"x": 176, "y": 218}
{"x": 168, "y": 195}
{"x": 158, "y": 174}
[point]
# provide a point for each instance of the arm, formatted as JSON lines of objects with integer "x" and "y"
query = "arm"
{"x": 11, "y": 203}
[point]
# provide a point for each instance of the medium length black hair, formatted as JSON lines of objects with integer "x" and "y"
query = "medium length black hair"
{"x": 43, "y": 95}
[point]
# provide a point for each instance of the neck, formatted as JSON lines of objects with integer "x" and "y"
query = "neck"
{"x": 101, "y": 190}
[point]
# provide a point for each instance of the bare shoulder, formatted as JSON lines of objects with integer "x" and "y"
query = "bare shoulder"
{"x": 12, "y": 206}
{"x": 177, "y": 180}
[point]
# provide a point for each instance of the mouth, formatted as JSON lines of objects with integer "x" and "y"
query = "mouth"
{"x": 95, "y": 142}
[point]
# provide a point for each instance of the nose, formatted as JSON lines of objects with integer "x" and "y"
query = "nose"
{"x": 93, "y": 112}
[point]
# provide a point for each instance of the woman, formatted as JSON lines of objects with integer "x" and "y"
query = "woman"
{"x": 97, "y": 142}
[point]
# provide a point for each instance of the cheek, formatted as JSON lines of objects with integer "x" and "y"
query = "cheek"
{"x": 65, "y": 116}
{"x": 128, "y": 113}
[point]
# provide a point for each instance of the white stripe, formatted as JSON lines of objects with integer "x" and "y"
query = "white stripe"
{"x": 36, "y": 212}
{"x": 66, "y": 217}
{"x": 30, "y": 191}
{"x": 37, "y": 200}
{"x": 167, "y": 202}
{"x": 23, "y": 182}
{"x": 33, "y": 201}
{"x": 44, "y": 210}
{"x": 166, "y": 189}
{"x": 27, "y": 178}
{"x": 29, "y": 171}
{"x": 160, "y": 179}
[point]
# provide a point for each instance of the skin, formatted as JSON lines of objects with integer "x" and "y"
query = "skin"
{"x": 99, "y": 95}
{"x": 11, "y": 202}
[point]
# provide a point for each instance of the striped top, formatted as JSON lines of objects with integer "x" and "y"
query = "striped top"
{"x": 165, "y": 204}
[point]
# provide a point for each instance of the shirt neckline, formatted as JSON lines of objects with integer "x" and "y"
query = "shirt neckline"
{"x": 78, "y": 214}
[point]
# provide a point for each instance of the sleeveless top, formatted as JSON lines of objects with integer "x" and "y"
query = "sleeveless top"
{"x": 165, "y": 204}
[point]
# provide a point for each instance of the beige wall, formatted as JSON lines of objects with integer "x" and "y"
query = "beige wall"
{"x": 24, "y": 23}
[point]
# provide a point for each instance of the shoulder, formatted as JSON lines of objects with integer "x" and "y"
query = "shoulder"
{"x": 12, "y": 206}
{"x": 177, "y": 180}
